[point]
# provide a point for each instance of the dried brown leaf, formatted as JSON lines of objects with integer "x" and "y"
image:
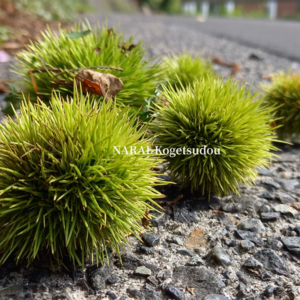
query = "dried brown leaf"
{"x": 190, "y": 290}
{"x": 3, "y": 86}
{"x": 129, "y": 48}
{"x": 235, "y": 67}
{"x": 146, "y": 219}
{"x": 97, "y": 50}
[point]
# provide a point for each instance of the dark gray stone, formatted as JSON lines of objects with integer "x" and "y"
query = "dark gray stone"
{"x": 174, "y": 293}
{"x": 112, "y": 279}
{"x": 129, "y": 262}
{"x": 176, "y": 240}
{"x": 288, "y": 184}
{"x": 254, "y": 56}
{"x": 36, "y": 275}
{"x": 111, "y": 294}
{"x": 249, "y": 235}
{"x": 226, "y": 274}
{"x": 268, "y": 196}
{"x": 269, "y": 291}
{"x": 146, "y": 250}
{"x": 204, "y": 281}
{"x": 150, "y": 239}
{"x": 164, "y": 274}
{"x": 266, "y": 276}
{"x": 274, "y": 244}
{"x": 270, "y": 217}
{"x": 248, "y": 203}
{"x": 231, "y": 243}
{"x": 243, "y": 277}
{"x": 246, "y": 245}
{"x": 215, "y": 297}
{"x": 254, "y": 225}
{"x": 271, "y": 184}
{"x": 292, "y": 244}
{"x": 265, "y": 209}
{"x": 186, "y": 252}
{"x": 220, "y": 256}
{"x": 213, "y": 243}
{"x": 224, "y": 232}
{"x": 161, "y": 220}
{"x": 183, "y": 215}
{"x": 281, "y": 169}
{"x": 134, "y": 293}
{"x": 232, "y": 207}
{"x": 284, "y": 198}
{"x": 97, "y": 276}
{"x": 150, "y": 294}
{"x": 241, "y": 291}
{"x": 264, "y": 172}
{"x": 229, "y": 227}
{"x": 224, "y": 218}
{"x": 152, "y": 267}
{"x": 252, "y": 263}
{"x": 272, "y": 261}
{"x": 297, "y": 230}
{"x": 164, "y": 252}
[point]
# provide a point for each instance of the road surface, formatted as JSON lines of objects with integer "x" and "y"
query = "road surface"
{"x": 281, "y": 38}
{"x": 277, "y": 37}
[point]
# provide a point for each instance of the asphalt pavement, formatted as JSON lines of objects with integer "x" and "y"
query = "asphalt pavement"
{"x": 279, "y": 37}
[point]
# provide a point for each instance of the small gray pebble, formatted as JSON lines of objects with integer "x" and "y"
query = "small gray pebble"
{"x": 174, "y": 293}
{"x": 195, "y": 261}
{"x": 185, "y": 252}
{"x": 111, "y": 294}
{"x": 150, "y": 239}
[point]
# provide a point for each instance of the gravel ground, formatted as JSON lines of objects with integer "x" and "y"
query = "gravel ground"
{"x": 235, "y": 247}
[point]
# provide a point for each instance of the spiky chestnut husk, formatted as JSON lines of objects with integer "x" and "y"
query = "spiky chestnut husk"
{"x": 215, "y": 114}
{"x": 284, "y": 93}
{"x": 102, "y": 47}
{"x": 63, "y": 187}
{"x": 183, "y": 69}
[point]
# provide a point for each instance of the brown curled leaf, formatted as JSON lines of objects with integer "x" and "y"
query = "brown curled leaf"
{"x": 92, "y": 82}
{"x": 110, "y": 31}
{"x": 171, "y": 204}
{"x": 4, "y": 86}
{"x": 235, "y": 67}
{"x": 266, "y": 76}
{"x": 129, "y": 48}
{"x": 104, "y": 84}
{"x": 97, "y": 50}
{"x": 190, "y": 290}
{"x": 146, "y": 219}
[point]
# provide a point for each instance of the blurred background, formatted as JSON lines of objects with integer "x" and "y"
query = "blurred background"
{"x": 269, "y": 9}
{"x": 22, "y": 20}
{"x": 269, "y": 25}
